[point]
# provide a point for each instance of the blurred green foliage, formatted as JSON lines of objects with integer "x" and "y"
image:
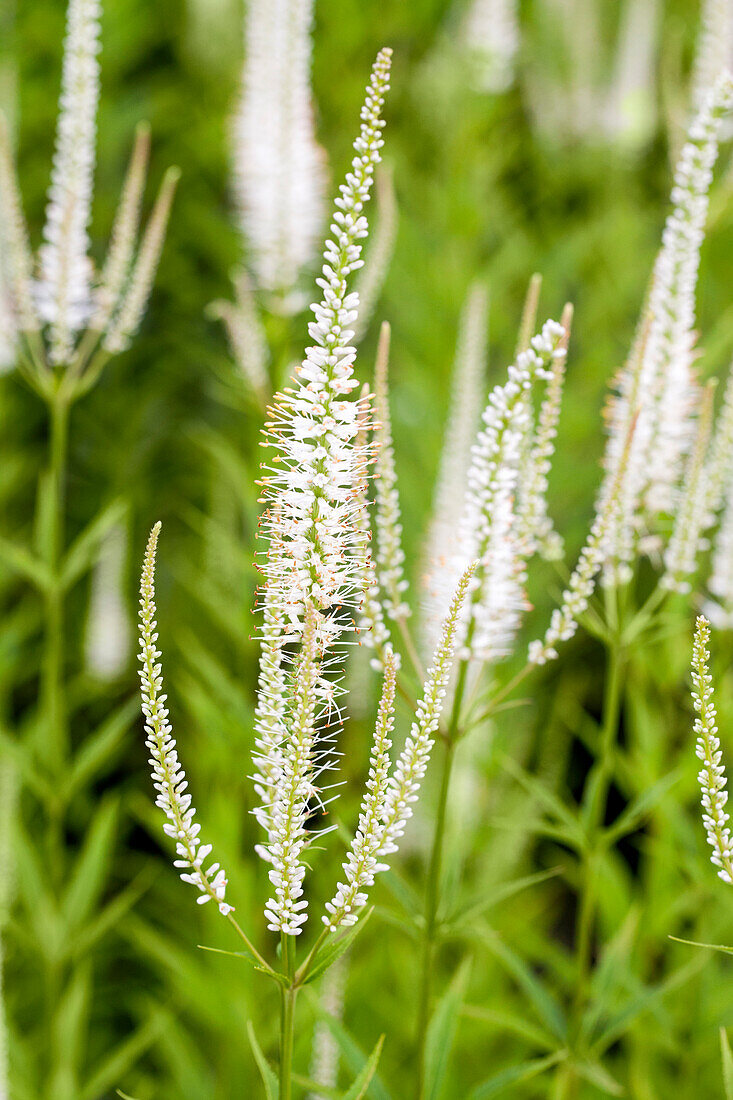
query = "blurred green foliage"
{"x": 172, "y": 432}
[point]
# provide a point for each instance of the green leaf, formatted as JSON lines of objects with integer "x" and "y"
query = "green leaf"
{"x": 515, "y": 1075}
{"x": 124, "y": 1095}
{"x": 98, "y": 749}
{"x": 25, "y": 564}
{"x": 711, "y": 946}
{"x": 328, "y": 954}
{"x": 362, "y": 1082}
{"x": 478, "y": 907}
{"x": 311, "y": 1086}
{"x": 545, "y": 1005}
{"x": 353, "y": 1055}
{"x": 600, "y": 1077}
{"x": 637, "y": 810}
{"x": 91, "y": 865}
{"x": 442, "y": 1032}
{"x": 727, "y": 1057}
{"x": 122, "y": 1059}
{"x": 269, "y": 1079}
{"x": 82, "y": 553}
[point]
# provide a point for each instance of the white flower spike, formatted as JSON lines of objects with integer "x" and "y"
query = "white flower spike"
{"x": 314, "y": 425}
{"x": 169, "y": 778}
{"x": 712, "y": 778}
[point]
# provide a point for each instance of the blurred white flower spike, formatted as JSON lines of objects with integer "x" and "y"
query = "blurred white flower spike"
{"x": 67, "y": 298}
{"x": 490, "y": 35}
{"x": 657, "y": 387}
{"x": 279, "y": 168}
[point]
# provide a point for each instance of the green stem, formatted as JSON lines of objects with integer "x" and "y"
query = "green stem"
{"x": 597, "y": 790}
{"x": 52, "y": 673}
{"x": 432, "y": 889}
{"x": 287, "y": 1018}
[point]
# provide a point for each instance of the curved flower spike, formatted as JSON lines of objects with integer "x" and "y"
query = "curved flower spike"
{"x": 712, "y": 778}
{"x": 169, "y": 778}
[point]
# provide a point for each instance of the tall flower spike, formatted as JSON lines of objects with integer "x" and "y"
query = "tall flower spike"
{"x": 169, "y": 778}
{"x": 464, "y": 417}
{"x": 313, "y": 425}
{"x": 668, "y": 352}
{"x": 374, "y": 632}
{"x": 712, "y": 778}
{"x": 576, "y": 597}
{"x": 362, "y": 862}
{"x": 294, "y": 789}
{"x": 491, "y": 35}
{"x": 488, "y": 531}
{"x": 714, "y": 47}
{"x": 693, "y": 517}
{"x": 18, "y": 261}
{"x": 280, "y": 170}
{"x": 124, "y": 232}
{"x": 412, "y": 763}
{"x": 371, "y": 277}
{"x": 64, "y": 292}
{"x": 390, "y": 555}
{"x": 535, "y": 530}
{"x": 132, "y": 307}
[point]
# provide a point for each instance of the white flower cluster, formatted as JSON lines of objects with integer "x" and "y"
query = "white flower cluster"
{"x": 8, "y": 334}
{"x": 373, "y": 629}
{"x": 301, "y": 757}
{"x": 390, "y": 555}
{"x": 712, "y": 778}
{"x": 462, "y": 425}
{"x": 64, "y": 288}
{"x": 314, "y": 425}
{"x": 169, "y": 778}
{"x": 535, "y": 530}
{"x": 656, "y": 389}
{"x": 280, "y": 170}
{"x": 65, "y": 297}
{"x": 388, "y": 803}
{"x": 362, "y": 862}
{"x": 490, "y": 33}
{"x": 488, "y": 532}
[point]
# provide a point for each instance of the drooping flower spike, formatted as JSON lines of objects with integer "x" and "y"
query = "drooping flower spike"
{"x": 313, "y": 425}
{"x": 712, "y": 777}
{"x": 169, "y": 778}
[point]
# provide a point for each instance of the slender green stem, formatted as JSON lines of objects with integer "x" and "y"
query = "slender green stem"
{"x": 287, "y": 1018}
{"x": 597, "y": 789}
{"x": 432, "y": 889}
{"x": 52, "y": 673}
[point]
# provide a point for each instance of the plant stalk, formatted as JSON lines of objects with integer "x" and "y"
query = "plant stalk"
{"x": 288, "y": 997}
{"x": 432, "y": 888}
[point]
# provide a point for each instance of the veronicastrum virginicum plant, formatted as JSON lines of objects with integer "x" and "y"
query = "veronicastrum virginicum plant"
{"x": 62, "y": 322}
{"x": 316, "y": 545}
